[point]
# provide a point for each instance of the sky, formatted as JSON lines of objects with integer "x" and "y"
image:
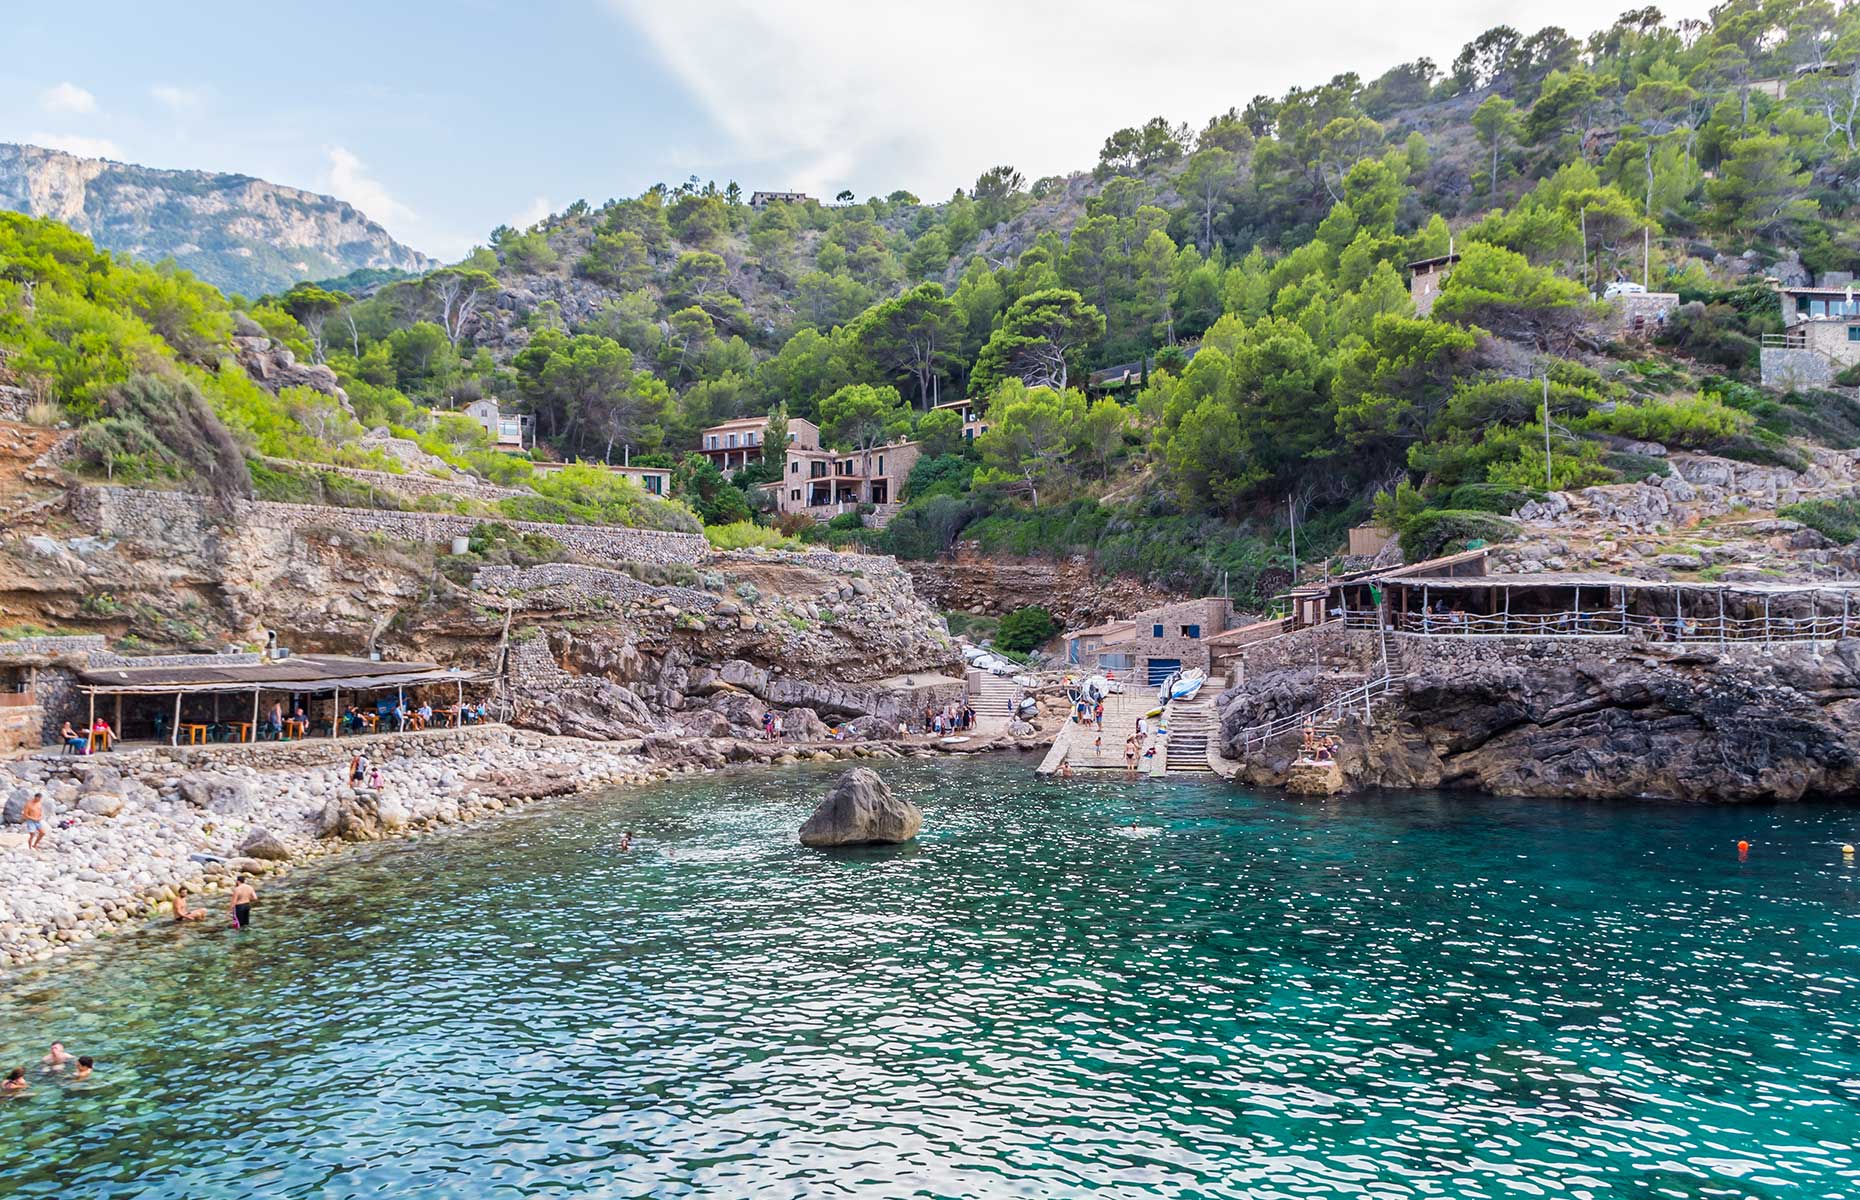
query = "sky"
{"x": 442, "y": 119}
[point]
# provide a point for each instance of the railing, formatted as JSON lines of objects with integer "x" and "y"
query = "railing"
{"x": 1613, "y": 623}
{"x": 1350, "y": 701}
{"x": 1785, "y": 341}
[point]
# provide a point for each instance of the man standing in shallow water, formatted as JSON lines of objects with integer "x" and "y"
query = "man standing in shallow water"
{"x": 243, "y": 894}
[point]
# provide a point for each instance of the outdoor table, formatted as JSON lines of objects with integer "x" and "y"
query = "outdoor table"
{"x": 97, "y": 735}
{"x": 244, "y": 728}
{"x": 293, "y": 728}
{"x": 450, "y": 718}
{"x": 196, "y": 734}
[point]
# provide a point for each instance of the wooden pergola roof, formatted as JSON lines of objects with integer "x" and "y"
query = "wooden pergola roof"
{"x": 308, "y": 673}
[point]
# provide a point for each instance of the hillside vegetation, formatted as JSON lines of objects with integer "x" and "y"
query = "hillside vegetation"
{"x": 1249, "y": 272}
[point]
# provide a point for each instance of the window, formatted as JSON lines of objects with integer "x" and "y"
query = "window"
{"x": 1191, "y": 631}
{"x": 1156, "y": 631}
{"x": 881, "y": 458}
{"x": 710, "y": 441}
{"x": 1853, "y": 333}
{"x": 794, "y": 468}
{"x": 730, "y": 441}
{"x": 794, "y": 493}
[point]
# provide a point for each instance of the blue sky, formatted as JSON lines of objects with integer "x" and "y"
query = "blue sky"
{"x": 443, "y": 118}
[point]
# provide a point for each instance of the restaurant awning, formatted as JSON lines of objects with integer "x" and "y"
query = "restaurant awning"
{"x": 310, "y": 674}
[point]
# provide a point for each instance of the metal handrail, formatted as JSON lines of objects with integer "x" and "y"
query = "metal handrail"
{"x": 1821, "y": 627}
{"x": 1356, "y": 697}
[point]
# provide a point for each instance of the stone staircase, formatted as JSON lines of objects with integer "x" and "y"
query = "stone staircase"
{"x": 1192, "y": 728}
{"x": 1078, "y": 744}
{"x": 992, "y": 698}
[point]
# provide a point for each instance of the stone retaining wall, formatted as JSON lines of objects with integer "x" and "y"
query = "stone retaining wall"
{"x": 53, "y": 646}
{"x": 157, "y": 517}
{"x": 317, "y": 752}
{"x": 577, "y": 582}
{"x": 412, "y": 483}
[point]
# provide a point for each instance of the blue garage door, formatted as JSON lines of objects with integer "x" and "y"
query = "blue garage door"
{"x": 1162, "y": 668}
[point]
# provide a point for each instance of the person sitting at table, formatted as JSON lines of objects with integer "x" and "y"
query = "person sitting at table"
{"x": 426, "y": 715}
{"x": 102, "y": 734}
{"x": 298, "y": 715}
{"x": 75, "y": 742}
{"x": 400, "y": 718}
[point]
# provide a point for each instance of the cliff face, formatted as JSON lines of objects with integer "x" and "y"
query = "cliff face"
{"x": 1557, "y": 721}
{"x": 1067, "y": 588}
{"x": 237, "y": 233}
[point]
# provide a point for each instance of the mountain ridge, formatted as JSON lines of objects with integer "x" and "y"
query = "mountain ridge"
{"x": 238, "y": 232}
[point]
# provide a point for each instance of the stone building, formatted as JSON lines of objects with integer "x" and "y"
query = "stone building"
{"x": 733, "y": 445}
{"x": 825, "y": 483}
{"x": 512, "y": 432}
{"x": 1158, "y": 642}
{"x": 974, "y": 425}
{"x": 1820, "y": 337}
{"x": 1425, "y": 278}
{"x": 761, "y": 200}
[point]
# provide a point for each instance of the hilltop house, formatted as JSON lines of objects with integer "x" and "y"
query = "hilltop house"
{"x": 1821, "y": 333}
{"x": 733, "y": 445}
{"x": 512, "y": 432}
{"x": 1424, "y": 279}
{"x": 764, "y": 199}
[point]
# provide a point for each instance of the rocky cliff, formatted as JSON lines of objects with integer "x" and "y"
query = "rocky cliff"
{"x": 238, "y": 233}
{"x": 1549, "y": 719}
{"x": 1068, "y": 588}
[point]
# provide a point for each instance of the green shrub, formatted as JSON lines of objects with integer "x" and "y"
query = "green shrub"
{"x": 1491, "y": 498}
{"x": 745, "y": 535}
{"x": 845, "y": 521}
{"x": 1838, "y": 520}
{"x": 1697, "y": 422}
{"x": 1633, "y": 467}
{"x": 1025, "y": 629}
{"x": 581, "y": 495}
{"x": 1436, "y": 531}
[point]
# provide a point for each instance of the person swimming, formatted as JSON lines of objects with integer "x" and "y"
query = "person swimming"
{"x": 57, "y": 1058}
{"x": 15, "y": 1080}
{"x": 626, "y": 841}
{"x": 85, "y": 1063}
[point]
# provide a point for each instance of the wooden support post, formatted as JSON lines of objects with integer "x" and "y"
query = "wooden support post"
{"x": 255, "y": 716}
{"x": 1766, "y": 618}
{"x": 116, "y": 729}
{"x": 174, "y": 733}
{"x": 90, "y": 731}
{"x": 1723, "y": 636}
{"x": 1425, "y": 611}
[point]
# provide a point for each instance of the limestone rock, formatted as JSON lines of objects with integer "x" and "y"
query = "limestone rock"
{"x": 262, "y": 843}
{"x": 100, "y": 804}
{"x": 217, "y": 793}
{"x": 1314, "y": 779}
{"x": 860, "y": 810}
{"x": 360, "y": 817}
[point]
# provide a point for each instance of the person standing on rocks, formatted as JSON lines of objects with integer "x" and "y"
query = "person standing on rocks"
{"x": 358, "y": 770}
{"x": 33, "y": 817}
{"x": 243, "y": 894}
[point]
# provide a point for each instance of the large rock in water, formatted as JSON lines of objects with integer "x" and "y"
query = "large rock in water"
{"x": 861, "y": 809}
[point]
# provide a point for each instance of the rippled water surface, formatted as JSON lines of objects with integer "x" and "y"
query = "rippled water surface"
{"x": 1172, "y": 990}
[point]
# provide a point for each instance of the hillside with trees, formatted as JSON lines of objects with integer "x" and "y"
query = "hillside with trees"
{"x": 1248, "y": 272}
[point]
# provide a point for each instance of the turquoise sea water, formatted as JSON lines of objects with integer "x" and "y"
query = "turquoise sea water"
{"x": 1394, "y": 995}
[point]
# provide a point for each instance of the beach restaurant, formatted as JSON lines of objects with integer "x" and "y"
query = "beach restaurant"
{"x": 198, "y": 702}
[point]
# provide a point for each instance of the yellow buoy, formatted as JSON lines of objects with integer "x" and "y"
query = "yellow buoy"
{"x": 1848, "y": 849}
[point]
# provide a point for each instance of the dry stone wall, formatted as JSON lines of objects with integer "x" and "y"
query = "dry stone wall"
{"x": 158, "y": 517}
{"x": 411, "y": 483}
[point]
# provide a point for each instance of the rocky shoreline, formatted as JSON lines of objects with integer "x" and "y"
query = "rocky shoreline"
{"x": 150, "y": 822}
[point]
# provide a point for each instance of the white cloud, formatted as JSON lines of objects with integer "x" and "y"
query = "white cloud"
{"x": 67, "y": 97}
{"x": 796, "y": 87}
{"x": 77, "y": 143}
{"x": 177, "y": 97}
{"x": 536, "y": 211}
{"x": 347, "y": 178}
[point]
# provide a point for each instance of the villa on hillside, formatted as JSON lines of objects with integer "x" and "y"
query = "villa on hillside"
{"x": 1821, "y": 333}
{"x": 733, "y": 445}
{"x": 512, "y": 432}
{"x": 973, "y": 424}
{"x": 759, "y": 200}
{"x": 825, "y": 483}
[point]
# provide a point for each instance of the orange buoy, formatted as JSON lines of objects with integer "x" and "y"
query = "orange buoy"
{"x": 1743, "y": 849}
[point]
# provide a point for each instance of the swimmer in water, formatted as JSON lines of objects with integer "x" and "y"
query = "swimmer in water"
{"x": 56, "y": 1060}
{"x": 15, "y": 1080}
{"x": 181, "y": 911}
{"x": 83, "y": 1068}
{"x": 242, "y": 896}
{"x": 626, "y": 841}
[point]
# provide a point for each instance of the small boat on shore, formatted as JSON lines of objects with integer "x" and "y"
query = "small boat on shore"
{"x": 1181, "y": 686}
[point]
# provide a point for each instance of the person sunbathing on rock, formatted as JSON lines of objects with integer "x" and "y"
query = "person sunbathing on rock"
{"x": 181, "y": 911}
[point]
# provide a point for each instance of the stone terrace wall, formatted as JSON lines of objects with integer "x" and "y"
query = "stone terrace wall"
{"x": 52, "y": 646}
{"x": 411, "y": 484}
{"x": 158, "y": 517}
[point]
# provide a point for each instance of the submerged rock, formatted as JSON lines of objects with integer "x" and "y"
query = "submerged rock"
{"x": 861, "y": 809}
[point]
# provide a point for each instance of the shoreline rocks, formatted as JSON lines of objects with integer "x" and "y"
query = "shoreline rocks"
{"x": 197, "y": 824}
{"x": 859, "y": 811}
